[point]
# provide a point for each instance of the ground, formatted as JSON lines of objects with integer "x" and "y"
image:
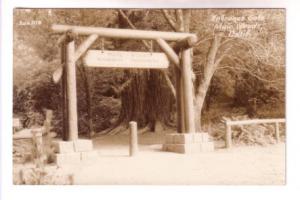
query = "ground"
{"x": 239, "y": 165}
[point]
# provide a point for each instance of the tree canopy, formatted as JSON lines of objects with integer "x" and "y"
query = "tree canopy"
{"x": 240, "y": 56}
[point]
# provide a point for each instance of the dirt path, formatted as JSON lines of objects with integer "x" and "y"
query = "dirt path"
{"x": 240, "y": 165}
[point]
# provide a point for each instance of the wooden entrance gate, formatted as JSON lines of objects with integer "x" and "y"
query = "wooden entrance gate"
{"x": 179, "y": 54}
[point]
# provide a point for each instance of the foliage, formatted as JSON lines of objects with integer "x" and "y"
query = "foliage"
{"x": 249, "y": 67}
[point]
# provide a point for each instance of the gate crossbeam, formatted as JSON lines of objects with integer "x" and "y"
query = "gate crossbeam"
{"x": 122, "y": 33}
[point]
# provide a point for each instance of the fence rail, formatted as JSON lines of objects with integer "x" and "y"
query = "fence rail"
{"x": 229, "y": 123}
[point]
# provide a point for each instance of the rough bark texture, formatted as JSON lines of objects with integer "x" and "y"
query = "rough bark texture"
{"x": 146, "y": 99}
{"x": 208, "y": 72}
{"x": 86, "y": 83}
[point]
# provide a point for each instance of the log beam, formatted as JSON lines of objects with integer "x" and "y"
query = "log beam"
{"x": 186, "y": 43}
{"x": 171, "y": 54}
{"x": 83, "y": 47}
{"x": 122, "y": 33}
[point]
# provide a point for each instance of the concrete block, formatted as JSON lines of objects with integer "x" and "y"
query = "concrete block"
{"x": 83, "y": 145}
{"x": 62, "y": 159}
{"x": 63, "y": 146}
{"x": 89, "y": 156}
{"x": 183, "y": 138}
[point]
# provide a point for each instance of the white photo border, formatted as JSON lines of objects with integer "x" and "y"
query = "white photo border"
{"x": 9, "y": 191}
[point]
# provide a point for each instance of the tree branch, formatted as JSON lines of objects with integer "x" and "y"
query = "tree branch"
{"x": 169, "y": 19}
{"x": 250, "y": 73}
{"x": 133, "y": 27}
{"x": 202, "y": 41}
{"x": 180, "y": 20}
{"x": 168, "y": 81}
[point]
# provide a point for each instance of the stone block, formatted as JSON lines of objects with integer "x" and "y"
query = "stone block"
{"x": 83, "y": 145}
{"x": 207, "y": 147}
{"x": 89, "y": 156}
{"x": 183, "y": 138}
{"x": 169, "y": 139}
{"x": 200, "y": 137}
{"x": 181, "y": 148}
{"x": 168, "y": 147}
{"x": 63, "y": 146}
{"x": 62, "y": 159}
{"x": 188, "y": 143}
{"x": 190, "y": 148}
{"x": 178, "y": 148}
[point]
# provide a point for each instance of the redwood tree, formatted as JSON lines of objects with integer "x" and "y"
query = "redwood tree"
{"x": 145, "y": 94}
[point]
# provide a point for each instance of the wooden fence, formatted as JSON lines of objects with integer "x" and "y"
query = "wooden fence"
{"x": 229, "y": 123}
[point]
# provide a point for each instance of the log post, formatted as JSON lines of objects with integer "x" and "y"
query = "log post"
{"x": 133, "y": 146}
{"x": 47, "y": 123}
{"x": 183, "y": 126}
{"x": 179, "y": 116}
{"x": 228, "y": 136}
{"x": 277, "y": 133}
{"x": 72, "y": 133}
{"x": 188, "y": 91}
{"x": 64, "y": 92}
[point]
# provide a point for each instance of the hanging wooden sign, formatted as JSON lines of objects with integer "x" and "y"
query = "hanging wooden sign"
{"x": 125, "y": 59}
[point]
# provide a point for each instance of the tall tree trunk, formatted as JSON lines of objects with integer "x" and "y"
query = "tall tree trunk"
{"x": 146, "y": 99}
{"x": 86, "y": 84}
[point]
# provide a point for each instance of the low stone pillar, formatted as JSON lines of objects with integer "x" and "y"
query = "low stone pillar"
{"x": 74, "y": 152}
{"x": 188, "y": 143}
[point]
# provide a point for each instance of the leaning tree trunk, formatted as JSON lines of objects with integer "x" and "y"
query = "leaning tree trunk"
{"x": 208, "y": 72}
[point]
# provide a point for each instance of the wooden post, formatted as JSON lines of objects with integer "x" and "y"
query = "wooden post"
{"x": 188, "y": 91}
{"x": 133, "y": 146}
{"x": 47, "y": 123}
{"x": 71, "y": 89}
{"x": 277, "y": 133}
{"x": 228, "y": 136}
{"x": 178, "y": 101}
{"x": 64, "y": 92}
{"x": 183, "y": 126}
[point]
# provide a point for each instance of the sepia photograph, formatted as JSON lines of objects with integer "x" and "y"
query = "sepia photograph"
{"x": 139, "y": 96}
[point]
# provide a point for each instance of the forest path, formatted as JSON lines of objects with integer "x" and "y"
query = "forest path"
{"x": 239, "y": 165}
